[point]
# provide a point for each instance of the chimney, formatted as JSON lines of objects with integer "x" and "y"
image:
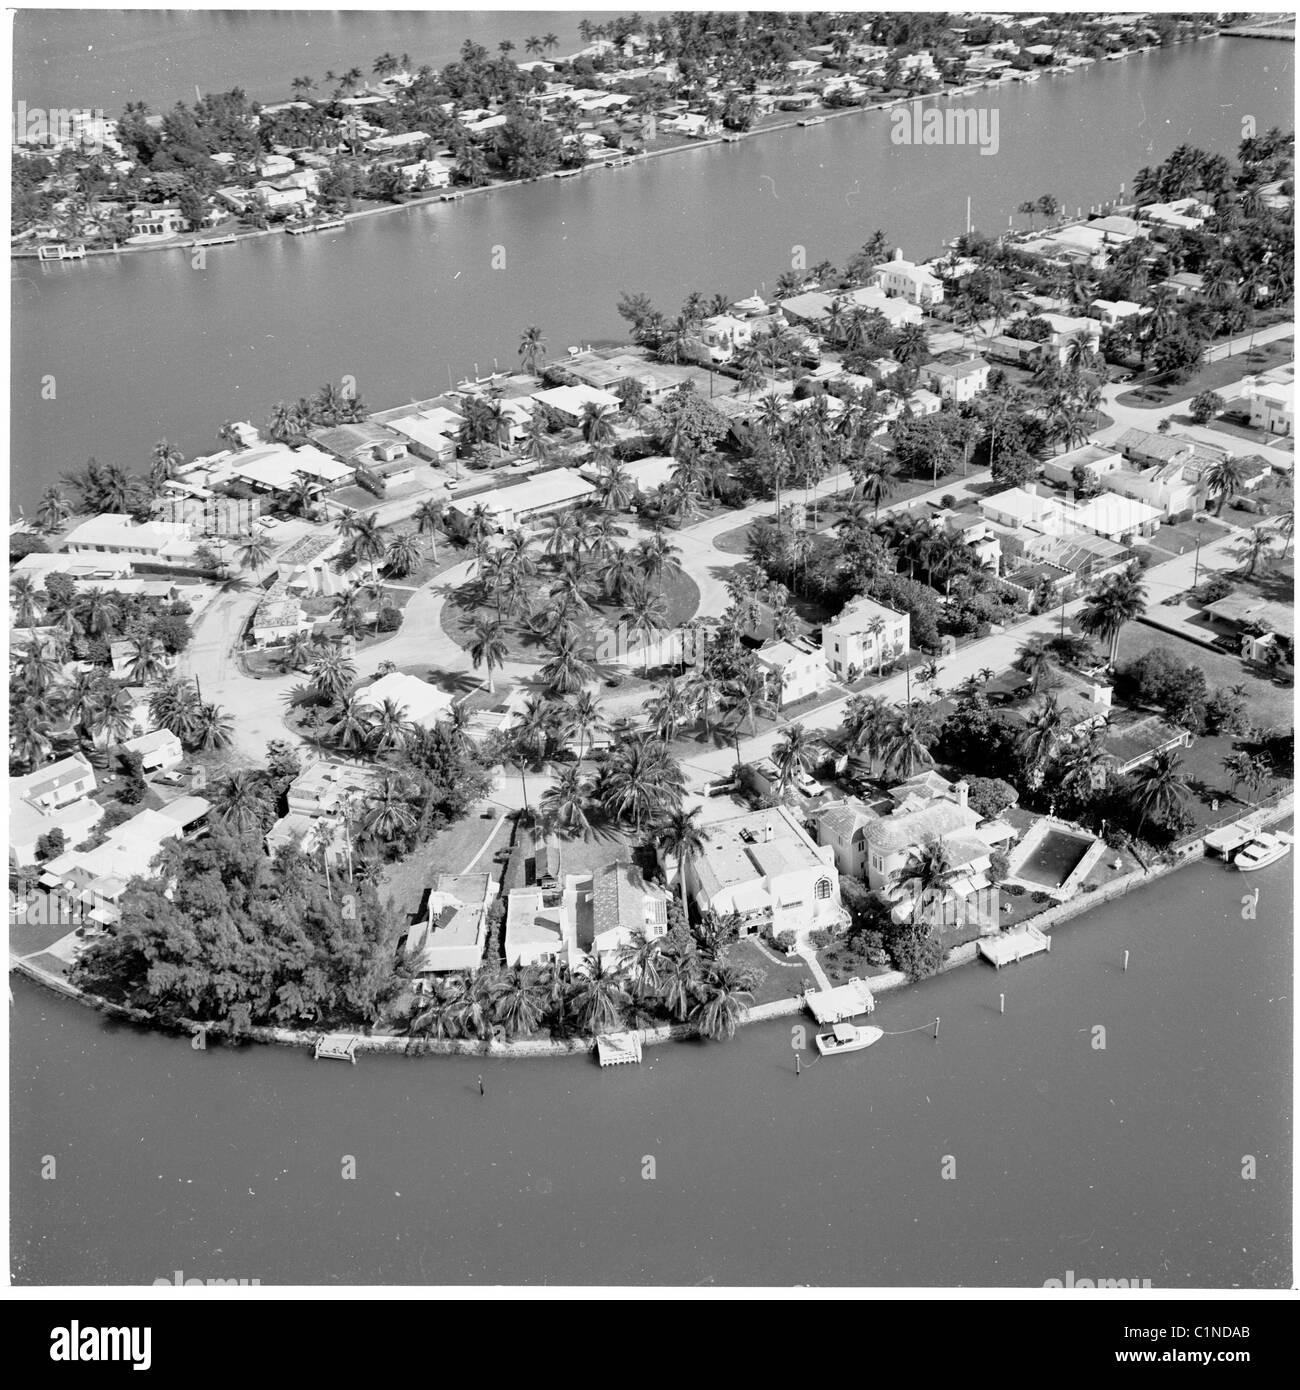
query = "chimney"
{"x": 767, "y": 831}
{"x": 962, "y": 789}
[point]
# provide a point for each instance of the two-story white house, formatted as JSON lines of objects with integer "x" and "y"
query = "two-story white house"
{"x": 864, "y": 637}
{"x": 958, "y": 381}
{"x": 793, "y": 670}
{"x": 909, "y": 281}
{"x": 765, "y": 867}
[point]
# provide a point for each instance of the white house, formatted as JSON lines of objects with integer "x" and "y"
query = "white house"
{"x": 765, "y": 867}
{"x": 160, "y": 751}
{"x": 453, "y": 932}
{"x": 56, "y": 784}
{"x": 909, "y": 281}
{"x": 795, "y": 669}
{"x": 508, "y": 507}
{"x": 1272, "y": 405}
{"x": 420, "y": 702}
{"x": 958, "y": 381}
{"x": 324, "y": 787}
{"x": 570, "y": 402}
{"x": 538, "y": 929}
{"x": 113, "y": 533}
{"x": 864, "y": 637}
{"x": 723, "y": 336}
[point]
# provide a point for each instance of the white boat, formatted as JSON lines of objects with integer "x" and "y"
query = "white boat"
{"x": 844, "y": 1037}
{"x": 813, "y": 120}
{"x": 1264, "y": 849}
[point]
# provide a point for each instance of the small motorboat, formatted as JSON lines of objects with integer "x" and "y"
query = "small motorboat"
{"x": 845, "y": 1037}
{"x": 1264, "y": 849}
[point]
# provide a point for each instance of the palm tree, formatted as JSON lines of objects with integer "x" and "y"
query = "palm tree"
{"x": 351, "y": 724}
{"x": 683, "y": 835}
{"x": 404, "y": 554}
{"x": 349, "y": 611}
{"x": 1159, "y": 787}
{"x": 146, "y": 665}
{"x": 388, "y": 815}
{"x": 1257, "y": 546}
{"x": 532, "y": 349}
{"x": 520, "y": 1003}
{"x": 389, "y": 727}
{"x": 586, "y": 719}
{"x": 1120, "y": 599}
{"x": 53, "y": 511}
{"x": 255, "y": 550}
{"x": 1041, "y": 738}
{"x": 598, "y": 996}
{"x": 722, "y": 1001}
{"x": 904, "y": 747}
{"x": 428, "y": 521}
{"x": 792, "y": 757}
{"x": 646, "y": 615}
{"x": 1222, "y": 479}
{"x": 1035, "y": 661}
{"x": 564, "y": 803}
{"x": 925, "y": 878}
{"x": 238, "y": 802}
{"x": 28, "y": 602}
{"x": 332, "y": 673}
{"x": 640, "y": 958}
{"x": 1251, "y": 772}
{"x": 640, "y": 782}
{"x": 488, "y": 649}
{"x": 213, "y": 728}
{"x": 570, "y": 668}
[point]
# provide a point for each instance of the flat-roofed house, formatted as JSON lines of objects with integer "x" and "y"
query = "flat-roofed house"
{"x": 909, "y": 281}
{"x": 113, "y": 533}
{"x": 452, "y": 934}
{"x": 538, "y": 929}
{"x": 517, "y": 505}
{"x": 430, "y": 434}
{"x": 723, "y": 336}
{"x": 1260, "y": 624}
{"x": 1272, "y": 405}
{"x": 570, "y": 402}
{"x": 131, "y": 847}
{"x": 795, "y": 669}
{"x": 864, "y": 637}
{"x": 765, "y": 867}
{"x": 325, "y": 787}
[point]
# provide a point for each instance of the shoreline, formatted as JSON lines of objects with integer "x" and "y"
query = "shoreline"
{"x": 1190, "y": 852}
{"x": 192, "y": 242}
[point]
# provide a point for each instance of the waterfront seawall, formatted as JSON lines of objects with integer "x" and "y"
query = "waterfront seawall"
{"x": 1188, "y": 852}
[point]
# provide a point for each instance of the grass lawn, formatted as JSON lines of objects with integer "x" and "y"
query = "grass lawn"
{"x": 1211, "y": 376}
{"x": 1268, "y": 704}
{"x": 772, "y": 981}
{"x": 1252, "y": 436}
{"x": 466, "y": 605}
{"x": 25, "y": 938}
{"x": 450, "y": 851}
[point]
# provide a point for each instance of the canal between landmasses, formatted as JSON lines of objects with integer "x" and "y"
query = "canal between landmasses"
{"x": 1119, "y": 1162}
{"x": 145, "y": 346}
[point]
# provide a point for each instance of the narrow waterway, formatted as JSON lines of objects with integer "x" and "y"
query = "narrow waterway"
{"x": 1012, "y": 1150}
{"x": 144, "y": 346}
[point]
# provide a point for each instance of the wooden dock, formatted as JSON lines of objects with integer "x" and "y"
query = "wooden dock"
{"x": 1011, "y": 946}
{"x": 613, "y": 1049}
{"x": 338, "y": 1047}
{"x": 60, "y": 252}
{"x": 841, "y": 1003}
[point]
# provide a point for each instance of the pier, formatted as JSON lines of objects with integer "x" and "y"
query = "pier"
{"x": 1009, "y": 947}
{"x": 60, "y": 252}
{"x": 338, "y": 1047}
{"x": 614, "y": 1049}
{"x": 841, "y": 1003}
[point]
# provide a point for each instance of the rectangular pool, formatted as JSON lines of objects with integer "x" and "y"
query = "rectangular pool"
{"x": 1053, "y": 859}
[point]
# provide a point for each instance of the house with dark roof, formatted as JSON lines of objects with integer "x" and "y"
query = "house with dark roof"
{"x": 612, "y": 908}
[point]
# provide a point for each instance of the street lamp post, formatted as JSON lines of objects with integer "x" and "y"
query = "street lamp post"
{"x": 1196, "y": 569}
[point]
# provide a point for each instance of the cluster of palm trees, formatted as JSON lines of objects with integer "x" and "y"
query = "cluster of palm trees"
{"x": 550, "y": 583}
{"x": 890, "y": 741}
{"x": 291, "y": 423}
{"x": 647, "y": 981}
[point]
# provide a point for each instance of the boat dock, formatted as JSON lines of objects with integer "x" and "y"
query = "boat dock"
{"x": 228, "y": 240}
{"x": 841, "y": 1003}
{"x": 1008, "y": 947}
{"x": 338, "y": 1047}
{"x": 613, "y": 1049}
{"x": 60, "y": 252}
{"x": 336, "y": 224}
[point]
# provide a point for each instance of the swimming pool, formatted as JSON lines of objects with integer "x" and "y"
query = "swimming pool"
{"x": 1054, "y": 858}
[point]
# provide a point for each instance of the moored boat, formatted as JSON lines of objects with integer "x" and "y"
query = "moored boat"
{"x": 844, "y": 1037}
{"x": 1262, "y": 850}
